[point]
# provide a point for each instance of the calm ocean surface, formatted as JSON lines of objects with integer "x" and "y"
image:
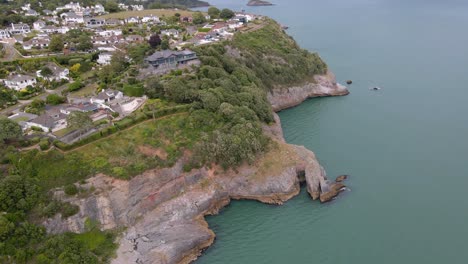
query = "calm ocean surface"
{"x": 405, "y": 146}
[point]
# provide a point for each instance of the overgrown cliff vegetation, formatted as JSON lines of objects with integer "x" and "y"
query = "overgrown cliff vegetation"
{"x": 220, "y": 109}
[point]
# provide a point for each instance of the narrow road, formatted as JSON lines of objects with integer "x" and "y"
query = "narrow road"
{"x": 10, "y": 52}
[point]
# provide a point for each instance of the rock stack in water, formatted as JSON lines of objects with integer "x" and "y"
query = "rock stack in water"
{"x": 331, "y": 190}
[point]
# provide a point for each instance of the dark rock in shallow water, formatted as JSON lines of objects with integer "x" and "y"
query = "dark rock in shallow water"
{"x": 335, "y": 189}
{"x": 349, "y": 82}
{"x": 341, "y": 178}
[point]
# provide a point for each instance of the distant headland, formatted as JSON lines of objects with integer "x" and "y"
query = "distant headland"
{"x": 259, "y": 3}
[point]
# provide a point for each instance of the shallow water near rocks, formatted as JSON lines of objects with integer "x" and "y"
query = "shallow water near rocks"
{"x": 404, "y": 146}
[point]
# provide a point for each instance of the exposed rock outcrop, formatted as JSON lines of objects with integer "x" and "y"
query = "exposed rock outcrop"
{"x": 164, "y": 209}
{"x": 341, "y": 178}
{"x": 325, "y": 85}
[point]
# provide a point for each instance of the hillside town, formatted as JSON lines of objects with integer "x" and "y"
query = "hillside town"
{"x": 78, "y": 58}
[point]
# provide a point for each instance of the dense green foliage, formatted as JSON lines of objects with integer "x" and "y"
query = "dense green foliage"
{"x": 55, "y": 99}
{"x": 56, "y": 43}
{"x": 7, "y": 96}
{"x": 35, "y": 107}
{"x": 79, "y": 121}
{"x": 22, "y": 241}
{"x": 78, "y": 40}
{"x": 226, "y": 13}
{"x": 198, "y": 18}
{"x": 213, "y": 12}
{"x": 9, "y": 129}
{"x": 282, "y": 61}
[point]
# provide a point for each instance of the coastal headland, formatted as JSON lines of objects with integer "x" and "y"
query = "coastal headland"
{"x": 259, "y": 3}
{"x": 164, "y": 209}
{"x": 201, "y": 132}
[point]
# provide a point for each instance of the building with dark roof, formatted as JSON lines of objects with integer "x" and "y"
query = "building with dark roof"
{"x": 171, "y": 58}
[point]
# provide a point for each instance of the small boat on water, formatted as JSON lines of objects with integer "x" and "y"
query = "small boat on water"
{"x": 284, "y": 27}
{"x": 376, "y": 88}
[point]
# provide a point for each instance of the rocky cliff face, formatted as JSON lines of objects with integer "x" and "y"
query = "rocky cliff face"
{"x": 325, "y": 85}
{"x": 164, "y": 209}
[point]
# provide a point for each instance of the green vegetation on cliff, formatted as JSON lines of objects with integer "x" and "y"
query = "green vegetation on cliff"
{"x": 275, "y": 57}
{"x": 220, "y": 108}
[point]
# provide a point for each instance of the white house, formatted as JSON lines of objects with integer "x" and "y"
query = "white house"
{"x": 106, "y": 96}
{"x": 19, "y": 81}
{"x": 58, "y": 73}
{"x": 39, "y": 24}
{"x": 98, "y": 9}
{"x": 70, "y": 6}
{"x": 52, "y": 120}
{"x": 248, "y": 17}
{"x": 137, "y": 7}
{"x": 54, "y": 30}
{"x": 107, "y": 48}
{"x": 235, "y": 24}
{"x": 20, "y": 28}
{"x": 170, "y": 32}
{"x": 110, "y": 32}
{"x": 151, "y": 19}
{"x": 31, "y": 12}
{"x": 123, "y": 6}
{"x": 72, "y": 17}
{"x": 4, "y": 34}
{"x": 41, "y": 41}
{"x": 132, "y": 20}
{"x": 26, "y": 7}
{"x": 104, "y": 58}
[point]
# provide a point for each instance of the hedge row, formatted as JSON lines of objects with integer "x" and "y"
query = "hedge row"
{"x": 121, "y": 125}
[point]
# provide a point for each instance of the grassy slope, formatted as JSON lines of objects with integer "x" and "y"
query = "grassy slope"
{"x": 151, "y": 144}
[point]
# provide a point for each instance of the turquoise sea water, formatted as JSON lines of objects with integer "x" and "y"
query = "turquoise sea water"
{"x": 405, "y": 145}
